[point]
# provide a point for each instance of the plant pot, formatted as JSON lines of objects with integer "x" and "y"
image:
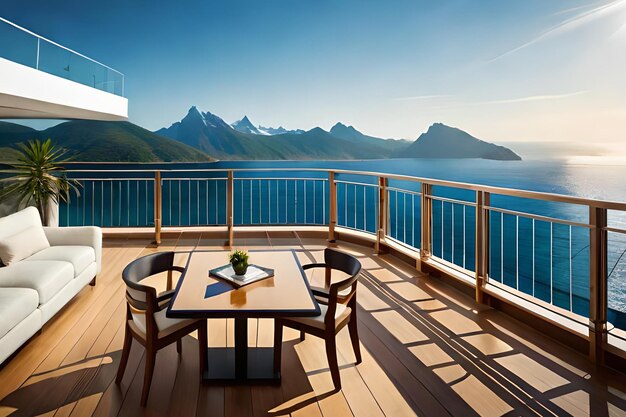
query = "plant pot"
{"x": 240, "y": 268}
{"x": 52, "y": 215}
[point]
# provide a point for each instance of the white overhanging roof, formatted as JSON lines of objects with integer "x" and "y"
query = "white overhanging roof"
{"x": 41, "y": 79}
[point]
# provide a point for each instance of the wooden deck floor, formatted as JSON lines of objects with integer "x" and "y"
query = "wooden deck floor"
{"x": 427, "y": 350}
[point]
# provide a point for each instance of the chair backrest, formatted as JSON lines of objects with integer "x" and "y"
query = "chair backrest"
{"x": 348, "y": 264}
{"x": 142, "y": 299}
{"x": 342, "y": 261}
{"x": 146, "y": 266}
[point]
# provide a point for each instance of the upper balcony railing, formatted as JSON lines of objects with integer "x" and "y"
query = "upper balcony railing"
{"x": 27, "y": 48}
{"x": 559, "y": 253}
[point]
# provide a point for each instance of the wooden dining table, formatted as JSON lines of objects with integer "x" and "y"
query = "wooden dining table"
{"x": 199, "y": 295}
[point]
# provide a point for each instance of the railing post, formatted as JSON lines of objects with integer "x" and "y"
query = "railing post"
{"x": 482, "y": 243}
{"x": 383, "y": 210}
{"x": 332, "y": 216}
{"x": 158, "y": 209}
{"x": 229, "y": 208}
{"x": 426, "y": 209}
{"x": 598, "y": 276}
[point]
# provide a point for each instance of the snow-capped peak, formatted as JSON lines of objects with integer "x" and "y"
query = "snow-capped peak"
{"x": 245, "y": 125}
{"x": 208, "y": 119}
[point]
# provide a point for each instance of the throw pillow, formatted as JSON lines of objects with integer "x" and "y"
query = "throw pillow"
{"x": 22, "y": 245}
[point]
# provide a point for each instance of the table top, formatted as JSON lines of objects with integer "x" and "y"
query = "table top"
{"x": 285, "y": 294}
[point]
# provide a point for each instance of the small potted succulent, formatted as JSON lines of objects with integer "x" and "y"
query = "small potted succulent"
{"x": 239, "y": 261}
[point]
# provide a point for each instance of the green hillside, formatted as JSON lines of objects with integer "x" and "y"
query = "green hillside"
{"x": 98, "y": 141}
{"x": 10, "y": 132}
{"x": 386, "y": 146}
{"x": 317, "y": 144}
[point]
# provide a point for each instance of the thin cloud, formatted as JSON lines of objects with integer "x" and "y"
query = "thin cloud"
{"x": 569, "y": 24}
{"x": 535, "y": 98}
{"x": 424, "y": 97}
{"x": 574, "y": 9}
{"x": 525, "y": 99}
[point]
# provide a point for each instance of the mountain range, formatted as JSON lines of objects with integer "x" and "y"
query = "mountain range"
{"x": 211, "y": 134}
{"x": 201, "y": 136}
{"x": 243, "y": 140}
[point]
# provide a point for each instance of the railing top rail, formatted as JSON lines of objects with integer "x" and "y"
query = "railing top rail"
{"x": 538, "y": 217}
{"x": 511, "y": 192}
{"x": 58, "y": 45}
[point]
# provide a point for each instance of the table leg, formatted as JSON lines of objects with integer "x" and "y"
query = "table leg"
{"x": 241, "y": 348}
{"x": 241, "y": 363}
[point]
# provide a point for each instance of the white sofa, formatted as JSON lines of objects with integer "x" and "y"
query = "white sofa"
{"x": 34, "y": 289}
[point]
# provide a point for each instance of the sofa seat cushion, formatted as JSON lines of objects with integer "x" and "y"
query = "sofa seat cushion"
{"x": 79, "y": 256}
{"x": 15, "y": 305}
{"x": 45, "y": 277}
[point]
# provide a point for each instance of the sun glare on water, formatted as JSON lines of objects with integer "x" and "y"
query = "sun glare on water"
{"x": 606, "y": 160}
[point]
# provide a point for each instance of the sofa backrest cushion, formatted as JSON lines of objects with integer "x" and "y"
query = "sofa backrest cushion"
{"x": 14, "y": 223}
{"x": 10, "y": 228}
{"x": 22, "y": 245}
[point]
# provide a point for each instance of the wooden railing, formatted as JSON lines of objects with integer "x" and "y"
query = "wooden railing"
{"x": 377, "y": 189}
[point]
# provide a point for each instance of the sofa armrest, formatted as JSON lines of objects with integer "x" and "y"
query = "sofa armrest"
{"x": 79, "y": 236}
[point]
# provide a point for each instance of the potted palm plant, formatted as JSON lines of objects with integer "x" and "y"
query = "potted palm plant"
{"x": 38, "y": 177}
{"x": 239, "y": 261}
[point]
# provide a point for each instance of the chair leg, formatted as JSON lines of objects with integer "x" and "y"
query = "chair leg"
{"x": 93, "y": 282}
{"x": 331, "y": 355}
{"x": 302, "y": 336}
{"x": 278, "y": 345}
{"x": 203, "y": 345}
{"x": 128, "y": 340}
{"x": 354, "y": 336}
{"x": 147, "y": 378}
{"x": 179, "y": 346}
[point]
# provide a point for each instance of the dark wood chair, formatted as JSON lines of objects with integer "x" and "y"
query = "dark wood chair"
{"x": 338, "y": 309}
{"x": 145, "y": 316}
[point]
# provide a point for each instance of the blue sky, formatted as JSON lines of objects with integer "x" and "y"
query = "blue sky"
{"x": 508, "y": 71}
